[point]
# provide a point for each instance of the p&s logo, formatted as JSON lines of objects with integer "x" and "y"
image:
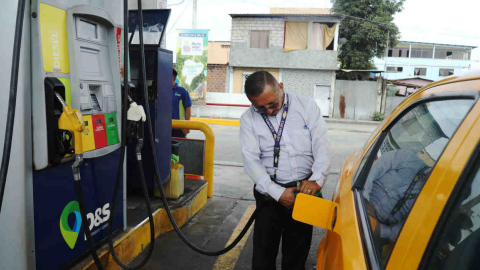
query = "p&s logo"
{"x": 70, "y": 235}
{"x": 99, "y": 218}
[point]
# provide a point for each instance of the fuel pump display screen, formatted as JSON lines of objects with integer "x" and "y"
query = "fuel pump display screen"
{"x": 95, "y": 104}
{"x": 86, "y": 29}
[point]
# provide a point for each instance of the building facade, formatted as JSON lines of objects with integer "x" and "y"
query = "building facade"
{"x": 428, "y": 61}
{"x": 299, "y": 50}
{"x": 217, "y": 66}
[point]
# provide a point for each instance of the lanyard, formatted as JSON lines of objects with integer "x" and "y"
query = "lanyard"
{"x": 277, "y": 136}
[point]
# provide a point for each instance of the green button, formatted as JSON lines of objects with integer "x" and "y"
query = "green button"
{"x": 112, "y": 128}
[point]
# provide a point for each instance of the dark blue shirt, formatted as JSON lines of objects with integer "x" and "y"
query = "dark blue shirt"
{"x": 181, "y": 101}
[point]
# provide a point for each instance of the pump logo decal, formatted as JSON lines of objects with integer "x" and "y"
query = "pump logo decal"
{"x": 70, "y": 235}
{"x": 99, "y": 218}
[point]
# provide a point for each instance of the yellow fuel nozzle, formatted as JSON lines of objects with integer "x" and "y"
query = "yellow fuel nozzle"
{"x": 71, "y": 119}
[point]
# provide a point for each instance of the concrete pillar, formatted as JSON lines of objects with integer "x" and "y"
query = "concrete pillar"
{"x": 332, "y": 94}
{"x": 383, "y": 108}
{"x": 378, "y": 106}
{"x": 335, "y": 40}
{"x": 230, "y": 88}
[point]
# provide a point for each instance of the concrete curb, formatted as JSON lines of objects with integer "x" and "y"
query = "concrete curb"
{"x": 235, "y": 122}
{"x": 349, "y": 121}
{"x": 223, "y": 122}
{"x": 227, "y": 163}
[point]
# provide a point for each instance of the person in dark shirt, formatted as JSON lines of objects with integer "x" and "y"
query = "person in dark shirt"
{"x": 180, "y": 107}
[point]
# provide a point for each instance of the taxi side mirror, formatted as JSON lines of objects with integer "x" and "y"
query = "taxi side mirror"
{"x": 315, "y": 211}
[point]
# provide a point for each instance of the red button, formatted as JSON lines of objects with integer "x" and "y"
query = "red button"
{"x": 99, "y": 131}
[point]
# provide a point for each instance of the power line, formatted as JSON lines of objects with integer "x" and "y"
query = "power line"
{"x": 185, "y": 8}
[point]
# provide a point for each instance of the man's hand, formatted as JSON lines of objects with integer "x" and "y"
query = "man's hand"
{"x": 309, "y": 187}
{"x": 288, "y": 198}
{"x": 185, "y": 131}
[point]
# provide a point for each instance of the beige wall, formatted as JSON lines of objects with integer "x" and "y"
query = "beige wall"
{"x": 238, "y": 77}
{"x": 218, "y": 55}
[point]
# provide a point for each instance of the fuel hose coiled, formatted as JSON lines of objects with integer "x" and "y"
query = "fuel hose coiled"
{"x": 122, "y": 155}
{"x": 157, "y": 171}
{"x": 125, "y": 100}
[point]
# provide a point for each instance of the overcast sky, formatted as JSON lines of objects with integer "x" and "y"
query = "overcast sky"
{"x": 435, "y": 21}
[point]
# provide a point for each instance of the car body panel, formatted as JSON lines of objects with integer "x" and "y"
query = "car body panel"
{"x": 345, "y": 250}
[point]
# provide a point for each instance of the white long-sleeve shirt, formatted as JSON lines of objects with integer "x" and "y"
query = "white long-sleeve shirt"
{"x": 304, "y": 146}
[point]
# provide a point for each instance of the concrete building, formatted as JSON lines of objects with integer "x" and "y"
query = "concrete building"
{"x": 429, "y": 61}
{"x": 298, "y": 48}
{"x": 217, "y": 63}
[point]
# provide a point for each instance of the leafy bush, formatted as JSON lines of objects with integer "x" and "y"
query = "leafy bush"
{"x": 378, "y": 116}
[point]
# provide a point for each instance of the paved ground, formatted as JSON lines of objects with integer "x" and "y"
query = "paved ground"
{"x": 233, "y": 202}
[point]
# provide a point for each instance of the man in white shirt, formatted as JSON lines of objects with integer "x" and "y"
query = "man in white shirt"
{"x": 284, "y": 141}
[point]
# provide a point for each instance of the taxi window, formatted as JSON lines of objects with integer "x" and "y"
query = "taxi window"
{"x": 402, "y": 164}
{"x": 458, "y": 244}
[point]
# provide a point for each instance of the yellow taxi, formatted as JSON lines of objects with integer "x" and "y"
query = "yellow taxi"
{"x": 410, "y": 199}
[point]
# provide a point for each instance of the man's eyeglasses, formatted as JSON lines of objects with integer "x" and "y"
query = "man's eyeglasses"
{"x": 270, "y": 107}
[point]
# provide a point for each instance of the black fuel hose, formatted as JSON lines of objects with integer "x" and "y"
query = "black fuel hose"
{"x": 122, "y": 158}
{"x": 12, "y": 101}
{"x": 86, "y": 228}
{"x": 157, "y": 171}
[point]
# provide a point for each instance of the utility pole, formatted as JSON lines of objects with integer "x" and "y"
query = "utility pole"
{"x": 194, "y": 15}
{"x": 386, "y": 50}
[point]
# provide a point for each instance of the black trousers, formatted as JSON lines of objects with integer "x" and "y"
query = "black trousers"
{"x": 178, "y": 133}
{"x": 272, "y": 223}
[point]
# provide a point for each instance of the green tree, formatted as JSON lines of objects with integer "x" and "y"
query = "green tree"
{"x": 367, "y": 25}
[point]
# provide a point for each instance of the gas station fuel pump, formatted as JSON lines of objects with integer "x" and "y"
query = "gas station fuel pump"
{"x": 75, "y": 105}
{"x": 76, "y": 57}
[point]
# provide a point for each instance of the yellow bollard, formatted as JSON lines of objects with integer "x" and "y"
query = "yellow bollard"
{"x": 209, "y": 148}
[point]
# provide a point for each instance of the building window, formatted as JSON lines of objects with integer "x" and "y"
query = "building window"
{"x": 394, "y": 69}
{"x": 311, "y": 36}
{"x": 445, "y": 72}
{"x": 402, "y": 50}
{"x": 296, "y": 36}
{"x": 422, "y": 51}
{"x": 259, "y": 39}
{"x": 420, "y": 71}
{"x": 453, "y": 53}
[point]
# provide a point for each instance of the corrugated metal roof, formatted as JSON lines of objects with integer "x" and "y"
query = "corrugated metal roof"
{"x": 268, "y": 15}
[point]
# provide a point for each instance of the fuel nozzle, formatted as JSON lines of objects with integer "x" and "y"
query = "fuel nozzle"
{"x": 71, "y": 119}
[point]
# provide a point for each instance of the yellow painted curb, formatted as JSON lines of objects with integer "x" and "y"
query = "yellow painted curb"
{"x": 138, "y": 238}
{"x": 222, "y": 122}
